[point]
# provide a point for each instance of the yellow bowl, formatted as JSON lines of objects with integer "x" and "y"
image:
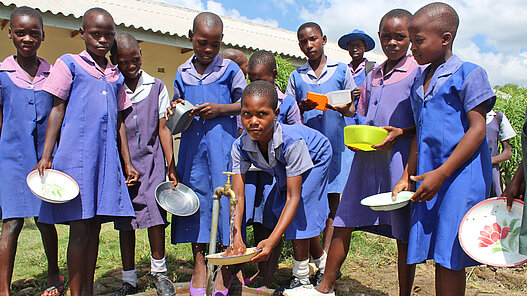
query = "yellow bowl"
{"x": 218, "y": 259}
{"x": 364, "y": 136}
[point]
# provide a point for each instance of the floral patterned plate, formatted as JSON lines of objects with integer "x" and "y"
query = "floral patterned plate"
{"x": 490, "y": 234}
{"x": 54, "y": 187}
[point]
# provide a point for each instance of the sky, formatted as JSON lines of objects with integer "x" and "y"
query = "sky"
{"x": 491, "y": 34}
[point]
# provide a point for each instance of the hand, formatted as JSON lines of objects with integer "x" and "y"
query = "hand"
{"x": 172, "y": 176}
{"x": 42, "y": 165}
{"x": 206, "y": 110}
{"x": 394, "y": 134}
{"x": 266, "y": 246}
{"x": 353, "y": 149}
{"x": 306, "y": 105}
{"x": 172, "y": 106}
{"x": 432, "y": 182}
{"x": 515, "y": 189}
{"x": 344, "y": 109}
{"x": 355, "y": 94}
{"x": 403, "y": 185}
{"x": 238, "y": 246}
{"x": 132, "y": 175}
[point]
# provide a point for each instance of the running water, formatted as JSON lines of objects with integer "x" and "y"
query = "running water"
{"x": 231, "y": 230}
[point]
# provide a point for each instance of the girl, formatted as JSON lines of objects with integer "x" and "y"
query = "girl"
{"x": 88, "y": 93}
{"x": 24, "y": 110}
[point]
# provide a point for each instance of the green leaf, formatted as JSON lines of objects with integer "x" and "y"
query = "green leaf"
{"x": 504, "y": 224}
{"x": 513, "y": 223}
{"x": 496, "y": 250}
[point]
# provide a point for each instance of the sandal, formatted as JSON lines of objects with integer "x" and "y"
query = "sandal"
{"x": 55, "y": 290}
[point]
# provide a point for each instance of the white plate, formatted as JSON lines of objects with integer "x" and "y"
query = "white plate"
{"x": 219, "y": 259}
{"x": 490, "y": 234}
{"x": 384, "y": 202}
{"x": 54, "y": 187}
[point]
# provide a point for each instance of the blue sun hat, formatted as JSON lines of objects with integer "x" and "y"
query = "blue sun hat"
{"x": 356, "y": 35}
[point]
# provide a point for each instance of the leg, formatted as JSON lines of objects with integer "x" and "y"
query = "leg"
{"x": 92, "y": 250}
{"x": 315, "y": 249}
{"x": 334, "y": 200}
{"x": 156, "y": 236}
{"x": 48, "y": 233}
{"x": 79, "y": 236}
{"x": 300, "y": 265}
{"x": 158, "y": 267}
{"x": 405, "y": 272}
{"x": 199, "y": 273}
{"x": 450, "y": 282}
{"x": 338, "y": 251}
{"x": 8, "y": 242}
{"x": 127, "y": 244}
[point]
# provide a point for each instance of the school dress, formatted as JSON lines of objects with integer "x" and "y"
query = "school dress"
{"x": 87, "y": 148}
{"x": 335, "y": 76}
{"x": 385, "y": 101}
{"x": 25, "y": 110}
{"x": 205, "y": 147}
{"x": 523, "y": 228}
{"x": 440, "y": 115}
{"x": 293, "y": 150}
{"x": 150, "y": 100}
{"x": 259, "y": 185}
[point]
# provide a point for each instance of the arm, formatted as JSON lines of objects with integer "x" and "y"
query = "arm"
{"x": 506, "y": 153}
{"x": 394, "y": 133}
{"x": 132, "y": 175}
{"x": 238, "y": 186}
{"x": 294, "y": 189}
{"x": 433, "y": 180}
{"x": 210, "y": 110}
{"x": 56, "y": 116}
{"x": 165, "y": 137}
{"x": 516, "y": 187}
{"x": 409, "y": 170}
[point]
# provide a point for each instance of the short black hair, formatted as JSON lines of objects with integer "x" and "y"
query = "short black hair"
{"x": 27, "y": 11}
{"x": 95, "y": 10}
{"x": 309, "y": 25}
{"x": 441, "y": 16}
{"x": 208, "y": 19}
{"x": 262, "y": 89}
{"x": 262, "y": 57}
{"x": 397, "y": 13}
{"x": 234, "y": 55}
{"x": 126, "y": 40}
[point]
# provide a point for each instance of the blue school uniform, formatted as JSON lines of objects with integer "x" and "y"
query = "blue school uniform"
{"x": 293, "y": 150}
{"x": 335, "y": 76}
{"x": 25, "y": 110}
{"x": 205, "y": 147}
{"x": 440, "y": 115}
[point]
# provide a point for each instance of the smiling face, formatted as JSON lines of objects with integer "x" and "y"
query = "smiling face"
{"x": 394, "y": 38}
{"x": 311, "y": 42}
{"x": 27, "y": 35}
{"x": 356, "y": 49}
{"x": 258, "y": 118}
{"x": 206, "y": 42}
{"x": 129, "y": 61}
{"x": 428, "y": 45}
{"x": 98, "y": 33}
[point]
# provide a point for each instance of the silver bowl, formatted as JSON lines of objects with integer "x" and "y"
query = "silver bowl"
{"x": 180, "y": 120}
{"x": 181, "y": 201}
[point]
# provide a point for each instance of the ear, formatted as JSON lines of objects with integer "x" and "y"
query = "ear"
{"x": 276, "y": 112}
{"x": 81, "y": 33}
{"x": 190, "y": 35}
{"x": 275, "y": 74}
{"x": 43, "y": 35}
{"x": 324, "y": 40}
{"x": 10, "y": 33}
{"x": 447, "y": 39}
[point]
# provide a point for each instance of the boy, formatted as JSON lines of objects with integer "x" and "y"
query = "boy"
{"x": 236, "y": 56}
{"x": 298, "y": 157}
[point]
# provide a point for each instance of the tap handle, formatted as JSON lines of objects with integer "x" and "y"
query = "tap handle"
{"x": 229, "y": 174}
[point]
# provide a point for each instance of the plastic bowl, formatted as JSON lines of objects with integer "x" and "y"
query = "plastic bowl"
{"x": 321, "y": 100}
{"x": 364, "y": 136}
{"x": 339, "y": 97}
{"x": 217, "y": 258}
{"x": 181, "y": 201}
{"x": 384, "y": 202}
{"x": 54, "y": 187}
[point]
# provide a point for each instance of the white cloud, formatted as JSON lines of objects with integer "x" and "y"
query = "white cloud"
{"x": 502, "y": 22}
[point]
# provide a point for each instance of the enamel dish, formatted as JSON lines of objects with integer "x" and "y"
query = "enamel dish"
{"x": 54, "y": 187}
{"x": 384, "y": 201}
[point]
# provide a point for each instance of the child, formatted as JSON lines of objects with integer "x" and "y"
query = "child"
{"x": 499, "y": 129}
{"x": 384, "y": 103}
{"x": 321, "y": 75}
{"x": 236, "y": 56}
{"x": 298, "y": 157}
{"x": 260, "y": 186}
{"x": 24, "y": 110}
{"x": 449, "y": 158}
{"x": 148, "y": 139}
{"x": 88, "y": 93}
{"x": 214, "y": 85}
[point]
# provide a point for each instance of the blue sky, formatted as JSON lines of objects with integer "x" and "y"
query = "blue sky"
{"x": 491, "y": 34}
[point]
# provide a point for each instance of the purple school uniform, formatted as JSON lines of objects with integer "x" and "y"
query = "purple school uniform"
{"x": 149, "y": 103}
{"x": 293, "y": 150}
{"x": 441, "y": 119}
{"x": 87, "y": 150}
{"x": 25, "y": 109}
{"x": 384, "y": 102}
{"x": 335, "y": 76}
{"x": 205, "y": 147}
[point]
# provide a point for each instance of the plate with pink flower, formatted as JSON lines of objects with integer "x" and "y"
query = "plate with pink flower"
{"x": 490, "y": 234}
{"x": 53, "y": 187}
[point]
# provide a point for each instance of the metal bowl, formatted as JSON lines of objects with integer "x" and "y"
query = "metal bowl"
{"x": 181, "y": 201}
{"x": 180, "y": 120}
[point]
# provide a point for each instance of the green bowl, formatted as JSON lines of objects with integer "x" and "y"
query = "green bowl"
{"x": 364, "y": 136}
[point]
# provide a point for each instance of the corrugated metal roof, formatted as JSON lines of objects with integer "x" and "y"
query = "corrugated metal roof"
{"x": 174, "y": 20}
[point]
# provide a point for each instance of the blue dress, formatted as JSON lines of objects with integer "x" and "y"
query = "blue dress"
{"x": 204, "y": 153}
{"x": 25, "y": 116}
{"x": 87, "y": 150}
{"x": 296, "y": 150}
{"x": 441, "y": 120}
{"x": 330, "y": 123}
